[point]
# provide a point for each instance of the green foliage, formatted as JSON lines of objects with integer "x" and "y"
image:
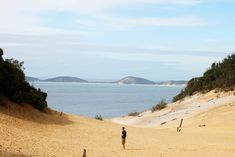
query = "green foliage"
{"x": 14, "y": 86}
{"x": 98, "y": 117}
{"x": 16, "y": 63}
{"x": 1, "y": 53}
{"x": 133, "y": 114}
{"x": 159, "y": 106}
{"x": 219, "y": 76}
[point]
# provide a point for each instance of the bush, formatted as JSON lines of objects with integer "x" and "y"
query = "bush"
{"x": 98, "y": 117}
{"x": 161, "y": 105}
{"x": 133, "y": 114}
{"x": 14, "y": 86}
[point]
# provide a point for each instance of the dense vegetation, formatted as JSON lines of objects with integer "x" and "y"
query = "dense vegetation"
{"x": 14, "y": 86}
{"x": 219, "y": 76}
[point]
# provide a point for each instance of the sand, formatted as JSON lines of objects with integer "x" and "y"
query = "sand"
{"x": 27, "y": 132}
{"x": 187, "y": 108}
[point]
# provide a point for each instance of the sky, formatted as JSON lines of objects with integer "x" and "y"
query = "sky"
{"x": 110, "y": 39}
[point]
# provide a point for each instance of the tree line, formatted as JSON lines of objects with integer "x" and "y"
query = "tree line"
{"x": 220, "y": 76}
{"x": 14, "y": 86}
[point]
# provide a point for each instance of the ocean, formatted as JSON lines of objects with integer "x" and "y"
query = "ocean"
{"x": 107, "y": 100}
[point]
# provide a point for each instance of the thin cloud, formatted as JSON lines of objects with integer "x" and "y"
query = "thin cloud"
{"x": 69, "y": 45}
{"x": 21, "y": 18}
{"x": 150, "y": 21}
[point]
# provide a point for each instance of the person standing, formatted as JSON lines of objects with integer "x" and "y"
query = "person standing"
{"x": 123, "y": 137}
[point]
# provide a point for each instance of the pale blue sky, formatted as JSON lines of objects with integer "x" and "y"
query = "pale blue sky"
{"x": 110, "y": 39}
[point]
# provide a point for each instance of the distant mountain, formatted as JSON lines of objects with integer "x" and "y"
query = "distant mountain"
{"x": 65, "y": 79}
{"x": 125, "y": 80}
{"x": 31, "y": 79}
{"x": 173, "y": 83}
{"x": 134, "y": 80}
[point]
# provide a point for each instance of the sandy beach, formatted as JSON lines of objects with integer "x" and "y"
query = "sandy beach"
{"x": 207, "y": 130}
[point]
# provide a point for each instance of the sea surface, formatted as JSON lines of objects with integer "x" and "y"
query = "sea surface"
{"x": 107, "y": 100}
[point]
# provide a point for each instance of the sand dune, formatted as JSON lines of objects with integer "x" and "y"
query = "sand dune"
{"x": 187, "y": 108}
{"x": 27, "y": 132}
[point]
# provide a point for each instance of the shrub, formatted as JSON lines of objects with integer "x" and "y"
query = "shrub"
{"x": 98, "y": 117}
{"x": 161, "y": 105}
{"x": 133, "y": 114}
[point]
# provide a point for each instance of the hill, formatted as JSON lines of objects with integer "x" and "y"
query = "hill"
{"x": 134, "y": 80}
{"x": 30, "y": 79}
{"x": 65, "y": 79}
{"x": 220, "y": 76}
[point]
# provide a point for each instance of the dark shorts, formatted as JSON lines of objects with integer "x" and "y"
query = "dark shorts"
{"x": 123, "y": 140}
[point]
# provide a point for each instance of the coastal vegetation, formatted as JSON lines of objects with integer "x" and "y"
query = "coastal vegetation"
{"x": 159, "y": 106}
{"x": 98, "y": 117}
{"x": 220, "y": 76}
{"x": 134, "y": 114}
{"x": 14, "y": 86}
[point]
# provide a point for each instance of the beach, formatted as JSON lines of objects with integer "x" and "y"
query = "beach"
{"x": 206, "y": 131}
{"x": 117, "y": 78}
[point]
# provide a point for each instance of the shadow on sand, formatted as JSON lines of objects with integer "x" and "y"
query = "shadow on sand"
{"x": 9, "y": 154}
{"x": 28, "y": 113}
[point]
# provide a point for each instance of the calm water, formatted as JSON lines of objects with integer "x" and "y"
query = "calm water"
{"x": 109, "y": 100}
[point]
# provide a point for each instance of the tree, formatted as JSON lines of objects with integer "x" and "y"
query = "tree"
{"x": 14, "y": 86}
{"x": 17, "y": 63}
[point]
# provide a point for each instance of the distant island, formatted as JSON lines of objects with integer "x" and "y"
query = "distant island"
{"x": 31, "y": 79}
{"x": 65, "y": 79}
{"x": 135, "y": 80}
{"x": 56, "y": 79}
{"x": 125, "y": 80}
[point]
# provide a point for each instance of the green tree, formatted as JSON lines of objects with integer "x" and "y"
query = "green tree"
{"x": 14, "y": 86}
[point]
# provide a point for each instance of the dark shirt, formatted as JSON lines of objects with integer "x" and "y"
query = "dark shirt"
{"x": 124, "y": 134}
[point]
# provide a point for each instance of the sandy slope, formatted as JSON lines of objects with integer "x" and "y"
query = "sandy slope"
{"x": 187, "y": 108}
{"x": 27, "y": 132}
